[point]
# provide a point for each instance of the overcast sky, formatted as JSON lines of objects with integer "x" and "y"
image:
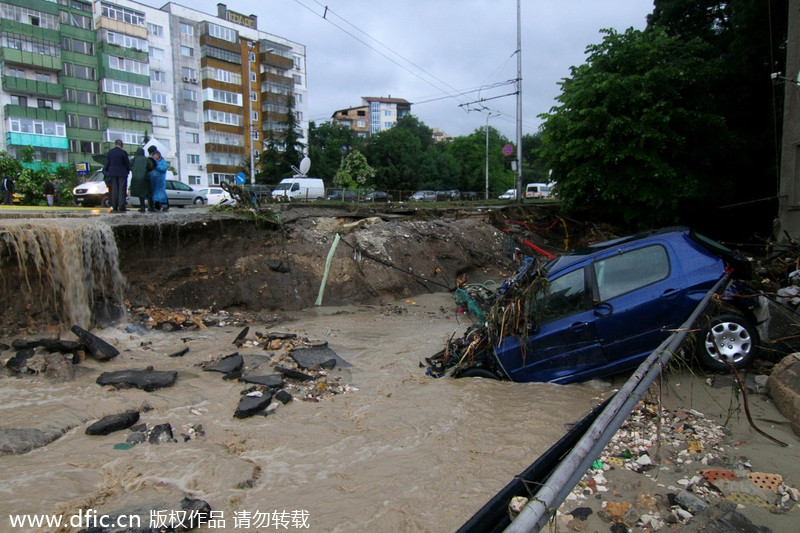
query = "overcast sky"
{"x": 440, "y": 55}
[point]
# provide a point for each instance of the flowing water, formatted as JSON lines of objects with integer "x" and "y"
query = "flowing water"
{"x": 69, "y": 266}
{"x": 399, "y": 452}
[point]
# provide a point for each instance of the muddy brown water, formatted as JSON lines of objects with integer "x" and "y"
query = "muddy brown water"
{"x": 403, "y": 452}
{"x": 399, "y": 451}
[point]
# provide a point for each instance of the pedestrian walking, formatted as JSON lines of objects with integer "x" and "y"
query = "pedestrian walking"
{"x": 116, "y": 173}
{"x": 49, "y": 192}
{"x": 141, "y": 166}
{"x": 8, "y": 190}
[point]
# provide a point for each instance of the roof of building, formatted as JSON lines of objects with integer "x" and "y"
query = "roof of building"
{"x": 383, "y": 100}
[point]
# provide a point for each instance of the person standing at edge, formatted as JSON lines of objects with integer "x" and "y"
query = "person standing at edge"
{"x": 49, "y": 191}
{"x": 158, "y": 181}
{"x": 140, "y": 179}
{"x": 116, "y": 172}
{"x": 8, "y": 190}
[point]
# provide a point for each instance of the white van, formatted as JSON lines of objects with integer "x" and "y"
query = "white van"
{"x": 299, "y": 188}
{"x": 538, "y": 190}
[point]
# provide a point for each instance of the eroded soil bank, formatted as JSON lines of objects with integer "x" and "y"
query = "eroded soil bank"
{"x": 196, "y": 259}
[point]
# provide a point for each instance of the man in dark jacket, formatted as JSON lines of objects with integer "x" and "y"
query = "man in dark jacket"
{"x": 8, "y": 190}
{"x": 116, "y": 173}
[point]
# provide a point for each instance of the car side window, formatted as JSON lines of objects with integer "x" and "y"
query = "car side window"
{"x": 630, "y": 271}
{"x": 567, "y": 295}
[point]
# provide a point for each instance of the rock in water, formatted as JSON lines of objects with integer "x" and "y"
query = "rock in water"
{"x": 147, "y": 380}
{"x": 250, "y": 405}
{"x": 16, "y": 441}
{"x": 111, "y": 423}
{"x": 161, "y": 433}
{"x": 97, "y": 347}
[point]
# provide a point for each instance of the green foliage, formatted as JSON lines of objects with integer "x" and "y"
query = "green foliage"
{"x": 675, "y": 123}
{"x": 280, "y": 151}
{"x": 354, "y": 172}
{"x": 327, "y": 145}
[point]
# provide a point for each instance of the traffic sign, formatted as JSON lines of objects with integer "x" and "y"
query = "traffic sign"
{"x": 240, "y": 178}
{"x": 508, "y": 149}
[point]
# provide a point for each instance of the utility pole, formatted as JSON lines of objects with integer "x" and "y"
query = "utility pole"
{"x": 250, "y": 112}
{"x": 519, "y": 102}
{"x": 489, "y": 114}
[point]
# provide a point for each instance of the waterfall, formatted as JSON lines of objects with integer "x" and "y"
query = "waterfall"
{"x": 66, "y": 269}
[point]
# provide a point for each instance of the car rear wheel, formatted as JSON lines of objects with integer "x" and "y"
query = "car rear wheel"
{"x": 199, "y": 201}
{"x": 106, "y": 201}
{"x": 478, "y": 372}
{"x": 727, "y": 340}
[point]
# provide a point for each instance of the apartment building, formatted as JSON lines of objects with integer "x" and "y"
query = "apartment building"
{"x": 375, "y": 114}
{"x": 75, "y": 75}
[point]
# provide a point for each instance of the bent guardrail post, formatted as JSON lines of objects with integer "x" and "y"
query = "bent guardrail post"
{"x": 554, "y": 491}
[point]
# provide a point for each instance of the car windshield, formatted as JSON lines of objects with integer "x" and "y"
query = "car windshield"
{"x": 283, "y": 187}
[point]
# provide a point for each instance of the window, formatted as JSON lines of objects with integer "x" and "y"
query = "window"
{"x": 128, "y": 16}
{"x": 19, "y": 100}
{"x": 567, "y": 295}
{"x": 126, "y": 41}
{"x": 160, "y": 122}
{"x": 193, "y": 138}
{"x": 43, "y": 76}
{"x": 155, "y": 30}
{"x": 190, "y": 94}
{"x": 194, "y": 180}
{"x": 362, "y": 123}
{"x": 157, "y": 53}
{"x": 85, "y": 147}
{"x": 251, "y": 57}
{"x": 226, "y": 34}
{"x": 187, "y": 51}
{"x": 254, "y": 116}
{"x": 255, "y": 135}
{"x": 193, "y": 159}
{"x": 253, "y": 77}
{"x": 128, "y": 65}
{"x": 158, "y": 98}
{"x": 80, "y": 97}
{"x": 297, "y": 79}
{"x": 186, "y": 29}
{"x": 188, "y": 72}
{"x": 126, "y": 88}
{"x": 226, "y": 97}
{"x": 158, "y": 76}
{"x": 387, "y": 125}
{"x": 629, "y": 271}
{"x": 387, "y": 113}
{"x": 37, "y": 127}
{"x": 15, "y": 72}
{"x": 43, "y": 103}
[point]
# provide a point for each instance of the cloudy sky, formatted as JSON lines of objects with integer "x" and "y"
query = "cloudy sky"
{"x": 444, "y": 56}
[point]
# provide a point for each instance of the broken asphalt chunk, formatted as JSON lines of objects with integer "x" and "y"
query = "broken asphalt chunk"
{"x": 239, "y": 340}
{"x": 269, "y": 380}
{"x": 294, "y": 374}
{"x": 111, "y": 423}
{"x": 180, "y": 353}
{"x": 317, "y": 356}
{"x": 250, "y": 405}
{"x": 95, "y": 346}
{"x": 227, "y": 365}
{"x": 146, "y": 380}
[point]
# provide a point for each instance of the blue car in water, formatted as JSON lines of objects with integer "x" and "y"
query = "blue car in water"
{"x": 603, "y": 309}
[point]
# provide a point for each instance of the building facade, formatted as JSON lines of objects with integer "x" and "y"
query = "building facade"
{"x": 375, "y": 114}
{"x": 75, "y": 75}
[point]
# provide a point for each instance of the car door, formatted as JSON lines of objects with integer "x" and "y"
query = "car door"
{"x": 640, "y": 296}
{"x": 565, "y": 346}
{"x": 181, "y": 194}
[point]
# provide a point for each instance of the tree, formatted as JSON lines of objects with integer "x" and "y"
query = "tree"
{"x": 327, "y": 144}
{"x": 470, "y": 152}
{"x": 673, "y": 123}
{"x": 292, "y": 147}
{"x": 354, "y": 171}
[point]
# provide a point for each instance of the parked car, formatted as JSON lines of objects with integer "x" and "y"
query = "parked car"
{"x": 377, "y": 196}
{"x": 510, "y": 194}
{"x": 262, "y": 192}
{"x": 178, "y": 194}
{"x": 423, "y": 196}
{"x": 602, "y": 310}
{"x": 469, "y": 195}
{"x": 343, "y": 195}
{"x": 214, "y": 196}
{"x": 538, "y": 190}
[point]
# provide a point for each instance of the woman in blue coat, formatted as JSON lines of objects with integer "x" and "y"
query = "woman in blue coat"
{"x": 158, "y": 182}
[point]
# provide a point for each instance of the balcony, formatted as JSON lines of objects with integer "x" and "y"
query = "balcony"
{"x": 26, "y": 86}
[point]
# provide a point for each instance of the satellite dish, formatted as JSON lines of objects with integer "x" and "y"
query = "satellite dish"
{"x": 305, "y": 165}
